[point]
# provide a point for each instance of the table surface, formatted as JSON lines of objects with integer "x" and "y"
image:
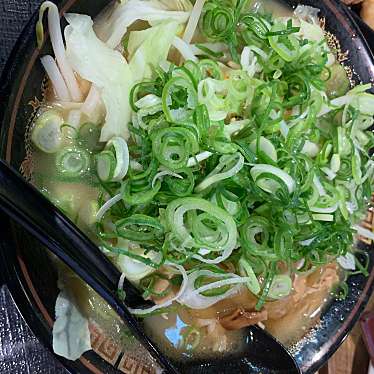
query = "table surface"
{"x": 20, "y": 351}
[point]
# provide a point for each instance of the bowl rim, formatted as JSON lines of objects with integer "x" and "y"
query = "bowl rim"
{"x": 16, "y": 275}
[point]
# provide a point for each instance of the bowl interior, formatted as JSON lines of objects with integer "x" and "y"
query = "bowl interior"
{"x": 29, "y": 271}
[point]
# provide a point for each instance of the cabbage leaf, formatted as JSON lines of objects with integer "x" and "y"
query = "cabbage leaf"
{"x": 71, "y": 336}
{"x": 309, "y": 23}
{"x": 149, "y": 48}
{"x": 179, "y": 5}
{"x": 112, "y": 26}
{"x": 106, "y": 68}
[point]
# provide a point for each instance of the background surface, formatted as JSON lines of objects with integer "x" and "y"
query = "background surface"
{"x": 20, "y": 352}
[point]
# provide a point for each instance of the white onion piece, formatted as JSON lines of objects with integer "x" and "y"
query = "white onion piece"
{"x": 184, "y": 49}
{"x": 109, "y": 204}
{"x": 192, "y": 297}
{"x": 193, "y": 21}
{"x": 163, "y": 174}
{"x": 59, "y": 50}
{"x": 182, "y": 290}
{"x": 56, "y": 78}
{"x": 347, "y": 262}
{"x": 193, "y": 161}
{"x": 364, "y": 232}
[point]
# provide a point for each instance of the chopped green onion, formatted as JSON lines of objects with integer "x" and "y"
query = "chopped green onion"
{"x": 47, "y": 134}
{"x": 173, "y": 147}
{"x": 89, "y": 137}
{"x": 253, "y": 284}
{"x": 139, "y": 228}
{"x": 106, "y": 164}
{"x": 73, "y": 163}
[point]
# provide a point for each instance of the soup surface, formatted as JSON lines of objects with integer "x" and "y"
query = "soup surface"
{"x": 216, "y": 152}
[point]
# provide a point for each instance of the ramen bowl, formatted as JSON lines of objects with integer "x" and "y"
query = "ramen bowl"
{"x": 30, "y": 272}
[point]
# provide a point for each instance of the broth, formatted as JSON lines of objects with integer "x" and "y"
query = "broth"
{"x": 182, "y": 331}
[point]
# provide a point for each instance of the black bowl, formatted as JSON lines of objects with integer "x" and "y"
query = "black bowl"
{"x": 28, "y": 270}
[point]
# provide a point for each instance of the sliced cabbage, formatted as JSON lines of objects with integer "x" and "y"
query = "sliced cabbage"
{"x": 104, "y": 67}
{"x": 71, "y": 336}
{"x": 112, "y": 26}
{"x": 309, "y": 23}
{"x": 311, "y": 31}
{"x": 307, "y": 13}
{"x": 178, "y": 5}
{"x": 148, "y": 48}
